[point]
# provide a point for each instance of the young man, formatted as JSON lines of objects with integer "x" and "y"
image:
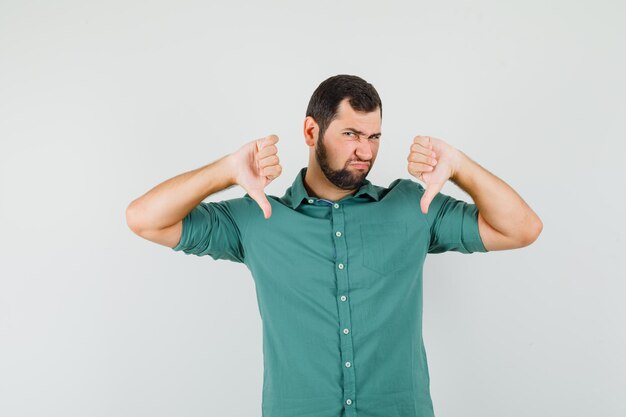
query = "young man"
{"x": 337, "y": 261}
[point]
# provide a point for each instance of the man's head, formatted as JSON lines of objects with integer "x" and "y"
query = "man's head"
{"x": 342, "y": 126}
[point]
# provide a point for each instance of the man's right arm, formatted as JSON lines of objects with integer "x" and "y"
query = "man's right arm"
{"x": 158, "y": 214}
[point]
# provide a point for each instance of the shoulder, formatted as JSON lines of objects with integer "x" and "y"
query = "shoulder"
{"x": 402, "y": 186}
{"x": 236, "y": 211}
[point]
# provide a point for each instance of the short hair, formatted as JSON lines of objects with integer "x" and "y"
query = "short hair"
{"x": 324, "y": 102}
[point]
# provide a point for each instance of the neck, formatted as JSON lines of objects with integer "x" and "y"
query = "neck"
{"x": 317, "y": 185}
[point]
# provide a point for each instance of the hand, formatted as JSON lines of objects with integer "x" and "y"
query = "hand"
{"x": 434, "y": 162}
{"x": 256, "y": 165}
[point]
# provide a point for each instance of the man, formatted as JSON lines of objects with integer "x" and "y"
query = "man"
{"x": 337, "y": 261}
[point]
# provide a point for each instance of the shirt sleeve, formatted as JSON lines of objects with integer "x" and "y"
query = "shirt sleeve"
{"x": 453, "y": 225}
{"x": 216, "y": 229}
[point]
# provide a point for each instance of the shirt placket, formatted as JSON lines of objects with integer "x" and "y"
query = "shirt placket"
{"x": 343, "y": 299}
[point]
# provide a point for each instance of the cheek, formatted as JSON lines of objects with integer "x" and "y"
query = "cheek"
{"x": 344, "y": 153}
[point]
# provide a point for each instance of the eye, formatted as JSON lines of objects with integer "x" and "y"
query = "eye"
{"x": 348, "y": 133}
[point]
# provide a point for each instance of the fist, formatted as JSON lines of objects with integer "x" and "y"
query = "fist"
{"x": 256, "y": 165}
{"x": 433, "y": 161}
{"x": 422, "y": 158}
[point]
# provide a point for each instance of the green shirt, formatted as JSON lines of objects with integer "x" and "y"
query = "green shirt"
{"x": 339, "y": 291}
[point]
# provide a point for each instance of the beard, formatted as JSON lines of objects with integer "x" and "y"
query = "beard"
{"x": 343, "y": 178}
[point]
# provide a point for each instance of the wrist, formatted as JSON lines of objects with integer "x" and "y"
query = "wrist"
{"x": 457, "y": 163}
{"x": 230, "y": 161}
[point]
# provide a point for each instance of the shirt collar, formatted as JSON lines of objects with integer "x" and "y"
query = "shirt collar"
{"x": 297, "y": 192}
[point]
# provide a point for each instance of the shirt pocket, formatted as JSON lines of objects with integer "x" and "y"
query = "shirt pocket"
{"x": 383, "y": 246}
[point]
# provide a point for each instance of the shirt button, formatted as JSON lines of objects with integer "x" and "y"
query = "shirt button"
{"x": 348, "y": 364}
{"x": 310, "y": 201}
{"x": 343, "y": 298}
{"x": 346, "y": 331}
{"x": 348, "y": 401}
{"x": 338, "y": 233}
{"x": 336, "y": 205}
{"x": 340, "y": 266}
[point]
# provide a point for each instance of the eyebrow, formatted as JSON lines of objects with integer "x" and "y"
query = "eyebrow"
{"x": 358, "y": 132}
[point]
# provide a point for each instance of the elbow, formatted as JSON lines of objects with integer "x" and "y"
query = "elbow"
{"x": 533, "y": 232}
{"x": 132, "y": 218}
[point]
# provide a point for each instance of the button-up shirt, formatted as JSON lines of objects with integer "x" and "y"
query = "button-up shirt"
{"x": 339, "y": 290}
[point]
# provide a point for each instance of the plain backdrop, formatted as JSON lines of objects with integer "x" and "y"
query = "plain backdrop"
{"x": 101, "y": 101}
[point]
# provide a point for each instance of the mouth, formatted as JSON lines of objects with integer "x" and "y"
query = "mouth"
{"x": 359, "y": 165}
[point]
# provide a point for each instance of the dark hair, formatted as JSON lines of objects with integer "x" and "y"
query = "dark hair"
{"x": 325, "y": 100}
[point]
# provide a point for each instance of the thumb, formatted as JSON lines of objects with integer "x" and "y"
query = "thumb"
{"x": 430, "y": 192}
{"x": 261, "y": 200}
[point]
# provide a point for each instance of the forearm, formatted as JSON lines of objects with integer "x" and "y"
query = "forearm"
{"x": 170, "y": 201}
{"x": 497, "y": 202}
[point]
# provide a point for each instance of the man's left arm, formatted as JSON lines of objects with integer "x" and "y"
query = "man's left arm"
{"x": 505, "y": 221}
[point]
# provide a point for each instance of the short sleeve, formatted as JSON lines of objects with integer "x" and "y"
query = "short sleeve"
{"x": 453, "y": 225}
{"x": 216, "y": 229}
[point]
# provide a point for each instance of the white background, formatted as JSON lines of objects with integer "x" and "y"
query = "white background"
{"x": 101, "y": 101}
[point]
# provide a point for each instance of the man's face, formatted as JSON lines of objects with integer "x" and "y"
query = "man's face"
{"x": 351, "y": 138}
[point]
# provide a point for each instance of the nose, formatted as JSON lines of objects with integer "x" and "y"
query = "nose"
{"x": 364, "y": 150}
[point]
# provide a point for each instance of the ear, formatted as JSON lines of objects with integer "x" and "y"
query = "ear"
{"x": 311, "y": 131}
